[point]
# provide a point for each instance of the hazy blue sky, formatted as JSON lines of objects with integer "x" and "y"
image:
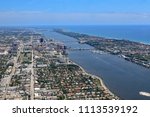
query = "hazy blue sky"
{"x": 59, "y": 12}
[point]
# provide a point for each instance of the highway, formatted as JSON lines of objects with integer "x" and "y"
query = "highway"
{"x": 32, "y": 76}
{"x": 8, "y": 79}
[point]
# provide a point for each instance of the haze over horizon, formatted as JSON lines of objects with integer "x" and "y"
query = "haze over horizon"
{"x": 74, "y": 12}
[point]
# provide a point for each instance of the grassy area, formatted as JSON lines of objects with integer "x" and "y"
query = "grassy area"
{"x": 25, "y": 58}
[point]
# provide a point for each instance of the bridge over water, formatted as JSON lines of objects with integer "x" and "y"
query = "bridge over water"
{"x": 80, "y": 49}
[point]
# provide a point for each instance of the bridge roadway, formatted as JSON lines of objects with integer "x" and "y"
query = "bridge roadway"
{"x": 80, "y": 49}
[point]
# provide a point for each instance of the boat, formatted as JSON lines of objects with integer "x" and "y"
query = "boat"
{"x": 144, "y": 93}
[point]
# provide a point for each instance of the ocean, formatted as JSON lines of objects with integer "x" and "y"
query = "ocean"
{"x": 138, "y": 33}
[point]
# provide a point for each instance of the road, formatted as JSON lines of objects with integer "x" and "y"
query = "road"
{"x": 32, "y": 76}
{"x": 8, "y": 79}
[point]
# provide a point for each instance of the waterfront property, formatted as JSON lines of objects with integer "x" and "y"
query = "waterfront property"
{"x": 36, "y": 68}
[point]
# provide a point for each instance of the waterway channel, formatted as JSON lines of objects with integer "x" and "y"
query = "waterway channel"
{"x": 123, "y": 78}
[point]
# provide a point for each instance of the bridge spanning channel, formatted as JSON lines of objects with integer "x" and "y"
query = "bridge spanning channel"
{"x": 80, "y": 49}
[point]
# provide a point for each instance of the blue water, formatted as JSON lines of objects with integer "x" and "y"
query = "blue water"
{"x": 123, "y": 78}
{"x": 139, "y": 33}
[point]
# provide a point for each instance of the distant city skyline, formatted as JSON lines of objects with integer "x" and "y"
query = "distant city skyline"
{"x": 74, "y": 12}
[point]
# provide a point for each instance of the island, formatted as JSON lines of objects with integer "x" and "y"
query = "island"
{"x": 135, "y": 52}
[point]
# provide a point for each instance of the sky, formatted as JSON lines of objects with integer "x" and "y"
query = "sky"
{"x": 74, "y": 12}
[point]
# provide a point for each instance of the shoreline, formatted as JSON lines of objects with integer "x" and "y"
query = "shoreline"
{"x": 141, "y": 59}
{"x": 104, "y": 37}
{"x": 98, "y": 78}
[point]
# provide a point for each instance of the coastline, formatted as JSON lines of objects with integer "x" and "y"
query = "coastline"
{"x": 101, "y": 83}
{"x": 114, "y": 46}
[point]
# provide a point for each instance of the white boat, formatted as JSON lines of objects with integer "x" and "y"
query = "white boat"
{"x": 144, "y": 93}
